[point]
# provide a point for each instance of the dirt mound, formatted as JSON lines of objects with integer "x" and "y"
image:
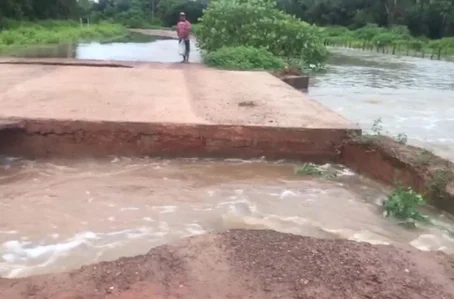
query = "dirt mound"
{"x": 251, "y": 264}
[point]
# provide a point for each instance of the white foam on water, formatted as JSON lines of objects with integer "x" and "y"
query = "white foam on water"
{"x": 202, "y": 209}
{"x": 165, "y": 209}
{"x": 21, "y": 258}
{"x": 8, "y": 232}
{"x": 195, "y": 229}
{"x": 369, "y": 237}
{"x": 429, "y": 242}
{"x": 129, "y": 209}
{"x": 287, "y": 193}
{"x": 345, "y": 172}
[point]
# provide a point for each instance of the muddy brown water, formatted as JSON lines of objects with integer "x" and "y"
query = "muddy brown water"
{"x": 59, "y": 215}
{"x": 413, "y": 96}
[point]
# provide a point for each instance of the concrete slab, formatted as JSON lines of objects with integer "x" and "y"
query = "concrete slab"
{"x": 169, "y": 93}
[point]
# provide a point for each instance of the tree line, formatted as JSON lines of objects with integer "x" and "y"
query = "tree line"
{"x": 131, "y": 13}
{"x": 431, "y": 18}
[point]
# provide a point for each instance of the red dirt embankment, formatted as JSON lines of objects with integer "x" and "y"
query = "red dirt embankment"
{"x": 384, "y": 159}
{"x": 252, "y": 264}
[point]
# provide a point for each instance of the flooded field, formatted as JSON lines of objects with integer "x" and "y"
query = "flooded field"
{"x": 60, "y": 215}
{"x": 412, "y": 96}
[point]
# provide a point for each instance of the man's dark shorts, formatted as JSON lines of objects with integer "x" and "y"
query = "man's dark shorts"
{"x": 187, "y": 46}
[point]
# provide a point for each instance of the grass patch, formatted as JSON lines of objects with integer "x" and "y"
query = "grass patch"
{"x": 54, "y": 32}
{"x": 377, "y": 132}
{"x": 424, "y": 158}
{"x": 314, "y": 170}
{"x": 243, "y": 58}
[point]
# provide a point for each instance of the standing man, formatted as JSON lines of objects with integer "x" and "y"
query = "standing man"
{"x": 183, "y": 31}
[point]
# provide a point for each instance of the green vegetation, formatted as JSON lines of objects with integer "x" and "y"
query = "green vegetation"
{"x": 377, "y": 132}
{"x": 403, "y": 202}
{"x": 314, "y": 170}
{"x": 394, "y": 40}
{"x": 144, "y": 13}
{"x": 169, "y": 11}
{"x": 243, "y": 58}
{"x": 49, "y": 32}
{"x": 259, "y": 24}
{"x": 440, "y": 179}
{"x": 414, "y": 27}
{"x": 431, "y": 18}
{"x": 424, "y": 158}
{"x": 129, "y": 13}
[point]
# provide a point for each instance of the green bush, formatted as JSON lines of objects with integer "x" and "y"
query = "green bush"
{"x": 403, "y": 202}
{"x": 243, "y": 58}
{"x": 259, "y": 24}
{"x": 169, "y": 11}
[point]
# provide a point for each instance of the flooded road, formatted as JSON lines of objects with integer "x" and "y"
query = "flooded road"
{"x": 411, "y": 95}
{"x": 60, "y": 215}
{"x": 133, "y": 47}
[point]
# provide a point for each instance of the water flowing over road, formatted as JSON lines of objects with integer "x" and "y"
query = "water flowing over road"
{"x": 413, "y": 96}
{"x": 60, "y": 215}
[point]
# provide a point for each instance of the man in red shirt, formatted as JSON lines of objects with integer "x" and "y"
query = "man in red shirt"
{"x": 183, "y": 31}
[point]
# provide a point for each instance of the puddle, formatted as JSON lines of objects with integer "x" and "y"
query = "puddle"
{"x": 60, "y": 215}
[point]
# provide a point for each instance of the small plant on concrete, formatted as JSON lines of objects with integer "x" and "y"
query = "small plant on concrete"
{"x": 314, "y": 170}
{"x": 377, "y": 131}
{"x": 403, "y": 202}
{"x": 377, "y": 126}
{"x": 424, "y": 157}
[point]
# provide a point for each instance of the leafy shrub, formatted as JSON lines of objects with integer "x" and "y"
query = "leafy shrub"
{"x": 243, "y": 58}
{"x": 259, "y": 24}
{"x": 403, "y": 202}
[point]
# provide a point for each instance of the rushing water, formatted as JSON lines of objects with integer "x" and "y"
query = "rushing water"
{"x": 411, "y": 95}
{"x": 59, "y": 215}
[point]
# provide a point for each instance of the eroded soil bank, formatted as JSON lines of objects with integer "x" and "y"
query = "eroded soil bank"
{"x": 385, "y": 159}
{"x": 252, "y": 264}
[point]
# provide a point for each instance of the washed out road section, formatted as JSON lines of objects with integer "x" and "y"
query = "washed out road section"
{"x": 159, "y": 93}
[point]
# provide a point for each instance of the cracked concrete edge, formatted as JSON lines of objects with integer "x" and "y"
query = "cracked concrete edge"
{"x": 46, "y": 138}
{"x": 11, "y": 123}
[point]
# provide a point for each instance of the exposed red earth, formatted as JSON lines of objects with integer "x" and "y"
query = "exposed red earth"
{"x": 252, "y": 264}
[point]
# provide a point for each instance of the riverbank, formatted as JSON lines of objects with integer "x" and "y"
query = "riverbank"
{"x": 395, "y": 41}
{"x": 55, "y": 32}
{"x": 252, "y": 264}
{"x": 388, "y": 160}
